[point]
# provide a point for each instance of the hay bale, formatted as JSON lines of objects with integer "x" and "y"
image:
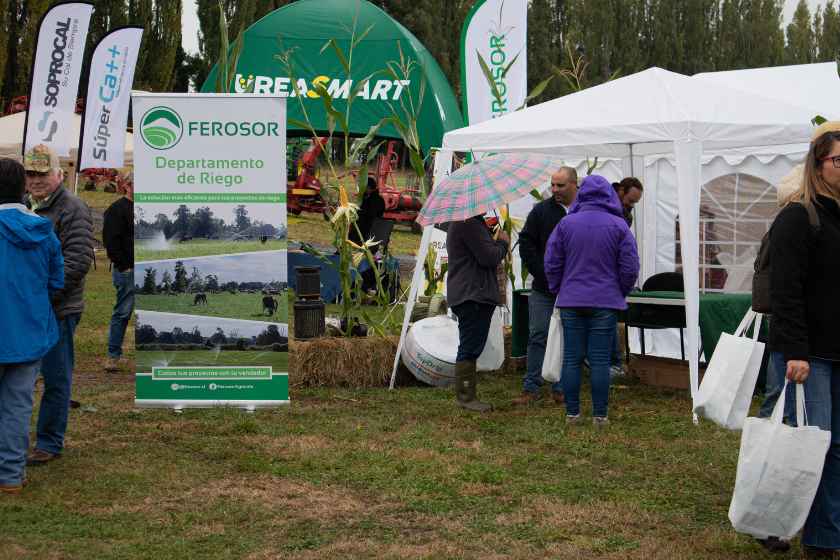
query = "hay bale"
{"x": 357, "y": 362}
{"x": 342, "y": 362}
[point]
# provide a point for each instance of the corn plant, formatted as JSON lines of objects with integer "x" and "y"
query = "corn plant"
{"x": 344, "y": 217}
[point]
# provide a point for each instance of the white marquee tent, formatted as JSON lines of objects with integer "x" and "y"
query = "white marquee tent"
{"x": 11, "y": 137}
{"x": 652, "y": 113}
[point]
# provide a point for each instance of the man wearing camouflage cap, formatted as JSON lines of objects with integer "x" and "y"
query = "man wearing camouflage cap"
{"x": 73, "y": 224}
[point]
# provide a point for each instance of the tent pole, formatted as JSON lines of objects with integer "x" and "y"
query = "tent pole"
{"x": 443, "y": 165}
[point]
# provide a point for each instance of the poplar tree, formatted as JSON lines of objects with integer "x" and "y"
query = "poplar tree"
{"x": 828, "y": 45}
{"x": 800, "y": 36}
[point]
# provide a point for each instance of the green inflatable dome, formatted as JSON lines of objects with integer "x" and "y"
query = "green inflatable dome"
{"x": 302, "y": 28}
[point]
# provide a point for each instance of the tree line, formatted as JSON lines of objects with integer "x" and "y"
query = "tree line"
{"x": 201, "y": 223}
{"x": 162, "y": 64}
{"x": 184, "y": 283}
{"x": 146, "y": 335}
{"x": 614, "y": 36}
{"x": 623, "y": 36}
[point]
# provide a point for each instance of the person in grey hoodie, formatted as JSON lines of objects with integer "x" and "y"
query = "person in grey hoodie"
{"x": 73, "y": 225}
{"x": 31, "y": 268}
{"x": 473, "y": 293}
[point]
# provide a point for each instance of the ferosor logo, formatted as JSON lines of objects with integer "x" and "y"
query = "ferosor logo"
{"x": 161, "y": 128}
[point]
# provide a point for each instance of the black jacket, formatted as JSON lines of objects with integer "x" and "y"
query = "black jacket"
{"x": 73, "y": 226}
{"x": 473, "y": 258}
{"x": 541, "y": 221}
{"x": 373, "y": 207}
{"x": 118, "y": 234}
{"x": 804, "y": 289}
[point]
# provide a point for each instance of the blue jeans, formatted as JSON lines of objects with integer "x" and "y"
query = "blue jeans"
{"x": 588, "y": 333}
{"x": 822, "y": 404}
{"x": 540, "y": 308}
{"x": 17, "y": 381}
{"x": 57, "y": 369}
{"x": 616, "y": 358}
{"x": 124, "y": 283}
{"x": 473, "y": 327}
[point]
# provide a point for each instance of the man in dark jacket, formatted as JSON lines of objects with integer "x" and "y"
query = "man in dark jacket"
{"x": 372, "y": 207}
{"x": 118, "y": 238}
{"x": 532, "y": 240}
{"x": 473, "y": 293}
{"x": 73, "y": 225}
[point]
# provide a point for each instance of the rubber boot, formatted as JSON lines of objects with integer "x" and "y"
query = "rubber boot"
{"x": 465, "y": 388}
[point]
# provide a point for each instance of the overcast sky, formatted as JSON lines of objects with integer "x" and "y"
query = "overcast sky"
{"x": 189, "y": 20}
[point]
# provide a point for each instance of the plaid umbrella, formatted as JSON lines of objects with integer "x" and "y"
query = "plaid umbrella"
{"x": 485, "y": 185}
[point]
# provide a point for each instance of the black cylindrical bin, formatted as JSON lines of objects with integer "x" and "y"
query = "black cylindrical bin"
{"x": 308, "y": 282}
{"x": 309, "y": 319}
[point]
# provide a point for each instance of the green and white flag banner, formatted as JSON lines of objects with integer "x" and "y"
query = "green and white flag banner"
{"x": 56, "y": 71}
{"x": 496, "y": 30}
{"x": 102, "y": 138}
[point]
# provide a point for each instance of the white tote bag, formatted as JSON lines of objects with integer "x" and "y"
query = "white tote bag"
{"x": 726, "y": 392}
{"x": 493, "y": 355}
{"x": 779, "y": 470}
{"x": 552, "y": 366}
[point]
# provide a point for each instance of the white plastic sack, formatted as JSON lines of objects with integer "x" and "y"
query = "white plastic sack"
{"x": 726, "y": 392}
{"x": 553, "y": 361}
{"x": 493, "y": 355}
{"x": 779, "y": 470}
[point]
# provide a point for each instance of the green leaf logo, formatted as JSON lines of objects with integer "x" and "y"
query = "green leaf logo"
{"x": 161, "y": 128}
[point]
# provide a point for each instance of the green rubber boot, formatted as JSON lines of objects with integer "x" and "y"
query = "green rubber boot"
{"x": 465, "y": 388}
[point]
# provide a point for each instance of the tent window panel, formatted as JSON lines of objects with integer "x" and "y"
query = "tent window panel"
{"x": 736, "y": 210}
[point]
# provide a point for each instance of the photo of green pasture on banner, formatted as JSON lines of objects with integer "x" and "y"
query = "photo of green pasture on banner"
{"x": 167, "y": 340}
{"x": 210, "y": 245}
{"x": 172, "y": 231}
{"x": 248, "y": 286}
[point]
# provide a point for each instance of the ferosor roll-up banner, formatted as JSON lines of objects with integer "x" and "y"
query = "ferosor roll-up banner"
{"x": 102, "y": 138}
{"x": 56, "y": 69}
{"x": 210, "y": 250}
{"x": 497, "y": 30}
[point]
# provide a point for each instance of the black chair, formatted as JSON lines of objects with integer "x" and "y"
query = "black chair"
{"x": 650, "y": 316}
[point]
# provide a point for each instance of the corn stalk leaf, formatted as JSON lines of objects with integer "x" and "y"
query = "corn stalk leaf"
{"x": 536, "y": 92}
{"x": 338, "y": 53}
{"x": 488, "y": 75}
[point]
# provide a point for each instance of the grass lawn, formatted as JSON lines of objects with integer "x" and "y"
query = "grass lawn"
{"x": 312, "y": 228}
{"x": 206, "y": 247}
{"x": 98, "y": 200}
{"x": 224, "y": 304}
{"x": 378, "y": 474}
{"x": 147, "y": 359}
{"x": 372, "y": 474}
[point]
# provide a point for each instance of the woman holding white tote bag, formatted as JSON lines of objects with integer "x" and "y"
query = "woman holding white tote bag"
{"x": 805, "y": 328}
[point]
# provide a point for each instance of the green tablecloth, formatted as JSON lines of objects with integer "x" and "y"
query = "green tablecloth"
{"x": 718, "y": 313}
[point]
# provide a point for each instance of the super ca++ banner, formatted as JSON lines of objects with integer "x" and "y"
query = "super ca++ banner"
{"x": 210, "y": 250}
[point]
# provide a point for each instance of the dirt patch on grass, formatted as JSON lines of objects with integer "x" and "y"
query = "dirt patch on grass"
{"x": 293, "y": 498}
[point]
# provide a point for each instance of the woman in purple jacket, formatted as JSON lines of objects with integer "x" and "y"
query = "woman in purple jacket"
{"x": 591, "y": 264}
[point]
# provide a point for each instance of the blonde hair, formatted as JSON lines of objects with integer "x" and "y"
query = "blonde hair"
{"x": 812, "y": 182}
